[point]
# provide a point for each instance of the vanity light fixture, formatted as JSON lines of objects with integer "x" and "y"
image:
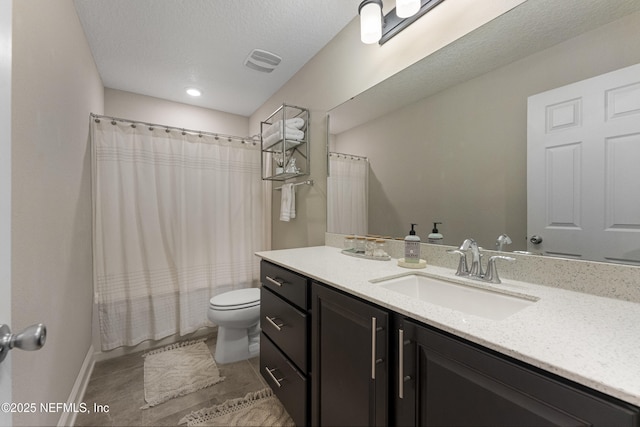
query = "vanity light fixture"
{"x": 374, "y": 27}
{"x": 192, "y": 91}
{"x": 407, "y": 8}
{"x": 370, "y": 12}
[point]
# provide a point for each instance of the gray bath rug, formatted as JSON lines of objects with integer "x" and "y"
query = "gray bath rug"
{"x": 258, "y": 408}
{"x": 176, "y": 370}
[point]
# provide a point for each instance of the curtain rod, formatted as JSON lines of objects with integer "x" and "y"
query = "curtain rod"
{"x": 254, "y": 138}
{"x": 353, "y": 156}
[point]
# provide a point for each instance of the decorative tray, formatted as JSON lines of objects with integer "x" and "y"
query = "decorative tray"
{"x": 352, "y": 252}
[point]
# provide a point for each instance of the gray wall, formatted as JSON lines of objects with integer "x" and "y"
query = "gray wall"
{"x": 132, "y": 106}
{"x": 55, "y": 86}
{"x": 343, "y": 69}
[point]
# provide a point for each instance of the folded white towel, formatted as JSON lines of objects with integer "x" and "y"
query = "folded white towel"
{"x": 290, "y": 134}
{"x": 295, "y": 123}
{"x": 288, "y": 203}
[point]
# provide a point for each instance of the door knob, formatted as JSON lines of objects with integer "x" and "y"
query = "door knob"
{"x": 32, "y": 338}
{"x": 536, "y": 240}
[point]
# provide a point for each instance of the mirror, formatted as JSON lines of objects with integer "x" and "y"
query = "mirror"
{"x": 446, "y": 138}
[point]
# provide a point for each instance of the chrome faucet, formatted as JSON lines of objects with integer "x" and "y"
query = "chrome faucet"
{"x": 492, "y": 271}
{"x": 463, "y": 269}
{"x": 475, "y": 272}
{"x": 476, "y": 265}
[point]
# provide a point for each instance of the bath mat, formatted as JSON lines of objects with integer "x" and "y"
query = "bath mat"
{"x": 176, "y": 370}
{"x": 258, "y": 408}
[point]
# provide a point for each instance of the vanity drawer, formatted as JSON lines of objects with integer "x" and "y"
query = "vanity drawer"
{"x": 285, "y": 380}
{"x": 286, "y": 326}
{"x": 291, "y": 286}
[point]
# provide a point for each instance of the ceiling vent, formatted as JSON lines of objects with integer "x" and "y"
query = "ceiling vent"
{"x": 263, "y": 61}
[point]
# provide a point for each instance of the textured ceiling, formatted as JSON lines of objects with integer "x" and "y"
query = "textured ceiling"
{"x": 160, "y": 47}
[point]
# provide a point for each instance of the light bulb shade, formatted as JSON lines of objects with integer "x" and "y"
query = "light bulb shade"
{"x": 407, "y": 8}
{"x": 370, "y": 21}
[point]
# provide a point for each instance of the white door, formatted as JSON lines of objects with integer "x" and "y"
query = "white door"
{"x": 583, "y": 168}
{"x": 5, "y": 196}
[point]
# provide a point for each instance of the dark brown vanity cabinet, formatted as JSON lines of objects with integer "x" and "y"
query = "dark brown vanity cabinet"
{"x": 350, "y": 360}
{"x": 285, "y": 339}
{"x": 442, "y": 380}
{"x": 334, "y": 359}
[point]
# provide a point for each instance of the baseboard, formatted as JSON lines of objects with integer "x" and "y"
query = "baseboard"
{"x": 68, "y": 418}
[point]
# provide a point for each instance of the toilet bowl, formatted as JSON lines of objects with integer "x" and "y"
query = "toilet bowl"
{"x": 237, "y": 314}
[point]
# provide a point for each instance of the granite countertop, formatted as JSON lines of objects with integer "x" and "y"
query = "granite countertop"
{"x": 592, "y": 340}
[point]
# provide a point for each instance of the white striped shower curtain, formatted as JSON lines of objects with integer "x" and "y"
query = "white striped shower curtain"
{"x": 177, "y": 219}
{"x": 348, "y": 195}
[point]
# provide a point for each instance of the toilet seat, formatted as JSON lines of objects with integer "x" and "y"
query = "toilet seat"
{"x": 236, "y": 300}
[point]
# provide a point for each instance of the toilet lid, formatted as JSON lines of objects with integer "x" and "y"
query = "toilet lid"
{"x": 240, "y": 298}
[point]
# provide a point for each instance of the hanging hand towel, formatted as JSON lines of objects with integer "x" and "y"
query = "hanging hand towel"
{"x": 288, "y": 203}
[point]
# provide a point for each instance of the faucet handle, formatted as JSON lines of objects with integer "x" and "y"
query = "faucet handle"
{"x": 468, "y": 243}
{"x": 492, "y": 271}
{"x": 463, "y": 269}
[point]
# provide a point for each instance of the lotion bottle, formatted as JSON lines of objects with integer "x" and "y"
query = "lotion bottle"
{"x": 412, "y": 247}
{"x": 435, "y": 236}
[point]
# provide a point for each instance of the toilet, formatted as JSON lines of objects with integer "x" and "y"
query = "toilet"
{"x": 237, "y": 314}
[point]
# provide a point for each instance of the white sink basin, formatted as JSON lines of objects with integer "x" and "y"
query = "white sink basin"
{"x": 469, "y": 299}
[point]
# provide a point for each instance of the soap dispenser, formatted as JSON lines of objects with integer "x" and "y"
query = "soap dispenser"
{"x": 435, "y": 237}
{"x": 412, "y": 247}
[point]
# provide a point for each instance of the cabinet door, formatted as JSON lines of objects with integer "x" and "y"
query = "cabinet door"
{"x": 350, "y": 360}
{"x": 453, "y": 382}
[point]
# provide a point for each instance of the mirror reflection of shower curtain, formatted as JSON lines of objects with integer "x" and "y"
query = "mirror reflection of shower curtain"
{"x": 347, "y": 194}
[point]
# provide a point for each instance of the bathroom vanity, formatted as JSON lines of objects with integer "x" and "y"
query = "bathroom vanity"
{"x": 342, "y": 347}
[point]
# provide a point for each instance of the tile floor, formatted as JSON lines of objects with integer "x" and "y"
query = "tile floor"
{"x": 119, "y": 383}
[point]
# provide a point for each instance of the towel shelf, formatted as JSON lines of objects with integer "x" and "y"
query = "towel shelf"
{"x": 284, "y": 140}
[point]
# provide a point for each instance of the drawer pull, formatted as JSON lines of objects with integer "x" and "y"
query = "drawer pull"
{"x": 275, "y": 325}
{"x": 270, "y": 372}
{"x": 402, "y": 378}
{"x": 275, "y": 281}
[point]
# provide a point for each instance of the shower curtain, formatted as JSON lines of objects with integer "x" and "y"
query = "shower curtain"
{"x": 177, "y": 219}
{"x": 347, "y": 194}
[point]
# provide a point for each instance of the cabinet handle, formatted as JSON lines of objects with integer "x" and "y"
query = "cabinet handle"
{"x": 373, "y": 347}
{"x": 275, "y": 325}
{"x": 274, "y": 281}
{"x": 270, "y": 372}
{"x": 401, "y": 363}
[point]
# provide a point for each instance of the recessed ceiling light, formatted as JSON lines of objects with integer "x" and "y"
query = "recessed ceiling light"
{"x": 193, "y": 91}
